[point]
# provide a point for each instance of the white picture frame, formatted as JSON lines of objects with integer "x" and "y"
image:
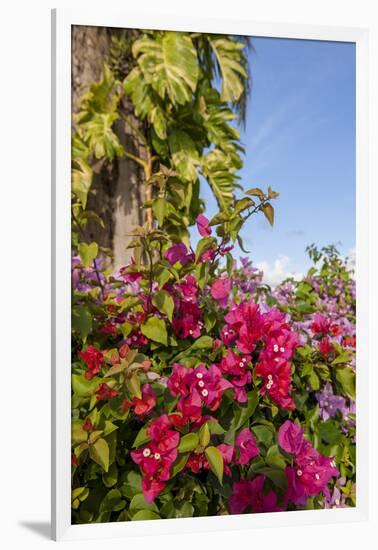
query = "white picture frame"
{"x": 62, "y": 20}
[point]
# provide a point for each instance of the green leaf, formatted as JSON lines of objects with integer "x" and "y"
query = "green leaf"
{"x": 156, "y": 330}
{"x": 99, "y": 135}
{"x": 110, "y": 477}
{"x": 163, "y": 301}
{"x": 277, "y": 476}
{"x": 203, "y": 342}
{"x": 78, "y": 435}
{"x": 82, "y": 177}
{"x": 268, "y": 212}
{"x": 185, "y": 157}
{"x": 99, "y": 452}
{"x": 347, "y": 378}
{"x": 220, "y": 172}
{"x": 247, "y": 411}
{"x": 204, "y": 435}
{"x": 188, "y": 443}
{"x": 132, "y": 485}
{"x": 215, "y": 459}
{"x": 229, "y": 56}
{"x": 113, "y": 502}
{"x": 142, "y": 437}
{"x": 169, "y": 64}
{"x": 256, "y": 192}
{"x": 180, "y": 464}
{"x": 274, "y": 458}
{"x": 159, "y": 209}
{"x": 134, "y": 386}
{"x": 138, "y": 502}
{"x": 83, "y": 387}
{"x": 88, "y": 253}
{"x": 145, "y": 515}
{"x": 82, "y": 321}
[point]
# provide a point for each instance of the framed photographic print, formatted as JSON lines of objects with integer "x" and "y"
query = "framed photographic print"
{"x": 209, "y": 274}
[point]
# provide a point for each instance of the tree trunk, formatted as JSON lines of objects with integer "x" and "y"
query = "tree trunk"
{"x": 117, "y": 191}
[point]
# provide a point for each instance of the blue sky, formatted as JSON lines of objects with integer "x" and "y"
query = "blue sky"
{"x": 300, "y": 140}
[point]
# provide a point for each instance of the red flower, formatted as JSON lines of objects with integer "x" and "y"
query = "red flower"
{"x": 144, "y": 405}
{"x": 94, "y": 358}
{"x": 88, "y": 426}
{"x": 105, "y": 392}
{"x": 236, "y": 366}
{"x": 325, "y": 347}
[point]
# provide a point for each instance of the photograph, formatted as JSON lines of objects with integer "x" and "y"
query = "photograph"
{"x": 213, "y": 285}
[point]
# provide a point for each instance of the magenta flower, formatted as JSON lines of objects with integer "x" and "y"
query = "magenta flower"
{"x": 210, "y": 385}
{"x": 249, "y": 495}
{"x": 178, "y": 382}
{"x": 220, "y": 291}
{"x": 246, "y": 445}
{"x": 236, "y": 366}
{"x": 203, "y": 225}
{"x": 290, "y": 437}
{"x": 176, "y": 253}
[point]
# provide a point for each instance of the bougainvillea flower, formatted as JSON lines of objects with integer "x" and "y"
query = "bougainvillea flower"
{"x": 161, "y": 431}
{"x": 190, "y": 407}
{"x": 94, "y": 359}
{"x": 88, "y": 426}
{"x": 295, "y": 492}
{"x": 325, "y": 347}
{"x": 246, "y": 446}
{"x": 147, "y": 403}
{"x": 179, "y": 381}
{"x": 330, "y": 403}
{"x": 203, "y": 225}
{"x": 152, "y": 488}
{"x": 249, "y": 495}
{"x": 227, "y": 452}
{"x": 247, "y": 321}
{"x": 105, "y": 392}
{"x": 277, "y": 383}
{"x": 209, "y": 384}
{"x": 236, "y": 366}
{"x": 220, "y": 291}
{"x": 320, "y": 324}
{"x": 176, "y": 253}
{"x": 290, "y": 437}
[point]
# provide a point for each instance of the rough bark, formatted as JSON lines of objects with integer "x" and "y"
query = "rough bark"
{"x": 117, "y": 192}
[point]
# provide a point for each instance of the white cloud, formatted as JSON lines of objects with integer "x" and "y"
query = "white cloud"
{"x": 279, "y": 270}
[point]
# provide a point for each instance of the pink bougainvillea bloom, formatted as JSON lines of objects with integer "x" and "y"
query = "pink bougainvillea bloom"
{"x": 161, "y": 431}
{"x": 290, "y": 437}
{"x": 152, "y": 488}
{"x": 190, "y": 407}
{"x": 209, "y": 384}
{"x": 249, "y": 495}
{"x": 236, "y": 366}
{"x": 320, "y": 324}
{"x": 176, "y": 253}
{"x": 94, "y": 359}
{"x": 105, "y": 392}
{"x": 295, "y": 492}
{"x": 325, "y": 347}
{"x": 179, "y": 381}
{"x": 246, "y": 446}
{"x": 220, "y": 291}
{"x": 203, "y": 225}
{"x": 136, "y": 339}
{"x": 246, "y": 320}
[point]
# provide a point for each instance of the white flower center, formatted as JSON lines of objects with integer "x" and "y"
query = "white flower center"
{"x": 275, "y": 348}
{"x": 282, "y": 350}
{"x": 199, "y": 375}
{"x": 205, "y": 393}
{"x": 299, "y": 473}
{"x": 157, "y": 456}
{"x": 190, "y": 332}
{"x": 317, "y": 476}
{"x": 241, "y": 364}
{"x": 225, "y": 333}
{"x": 201, "y": 383}
{"x": 146, "y": 452}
